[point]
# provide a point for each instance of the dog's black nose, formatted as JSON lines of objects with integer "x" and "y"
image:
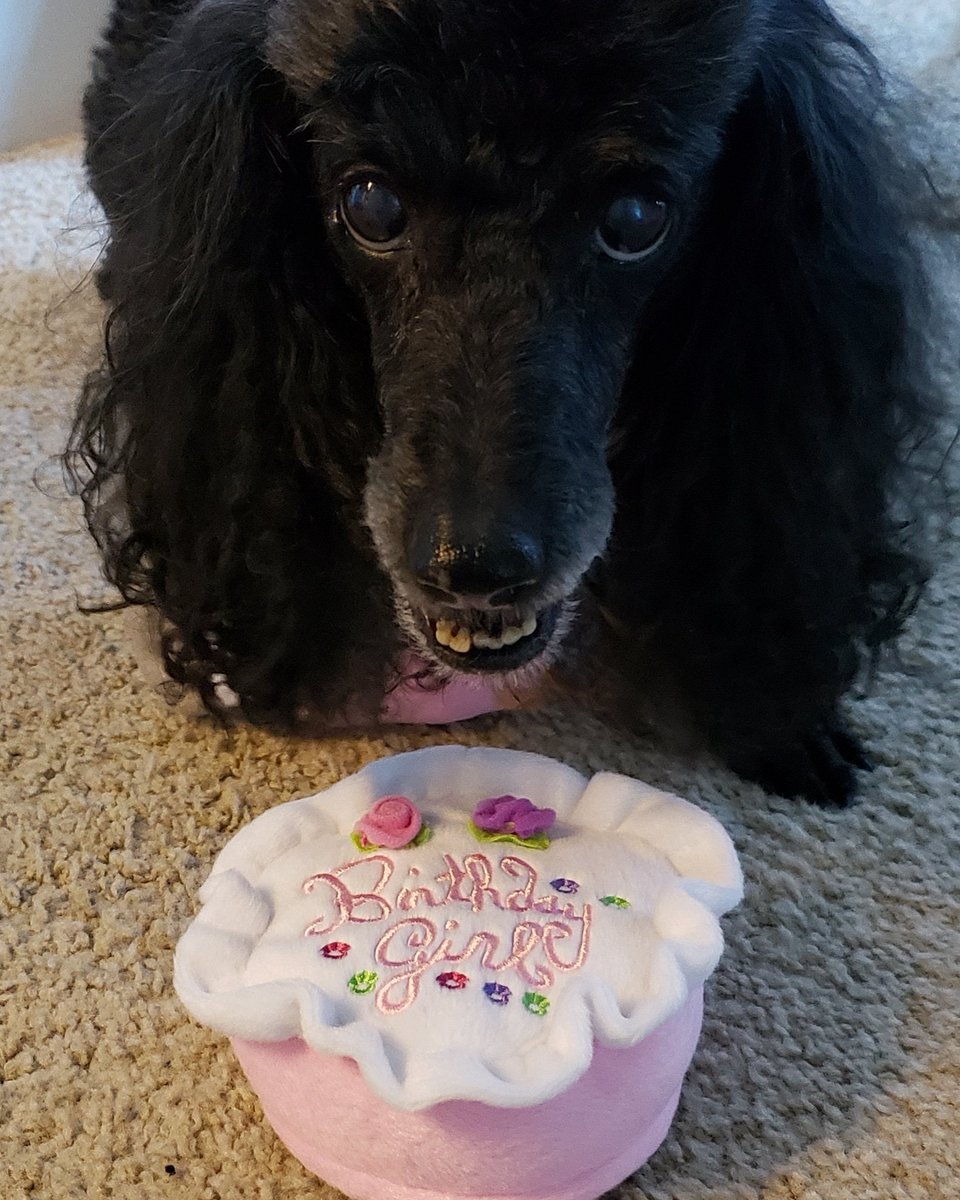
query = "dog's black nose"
{"x": 472, "y": 562}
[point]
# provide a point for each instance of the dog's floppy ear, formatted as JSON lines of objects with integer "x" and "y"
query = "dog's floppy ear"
{"x": 776, "y": 378}
{"x": 187, "y": 153}
{"x": 228, "y": 373}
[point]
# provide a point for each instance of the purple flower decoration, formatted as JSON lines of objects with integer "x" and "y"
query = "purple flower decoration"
{"x": 566, "y": 887}
{"x": 497, "y": 993}
{"x": 513, "y": 814}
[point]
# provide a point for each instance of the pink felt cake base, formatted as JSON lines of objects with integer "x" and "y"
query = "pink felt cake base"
{"x": 574, "y": 1147}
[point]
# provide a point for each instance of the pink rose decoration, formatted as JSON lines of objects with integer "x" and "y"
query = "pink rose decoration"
{"x": 391, "y": 824}
{"x": 513, "y": 814}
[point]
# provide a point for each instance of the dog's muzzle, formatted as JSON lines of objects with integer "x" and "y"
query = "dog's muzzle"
{"x": 475, "y": 590}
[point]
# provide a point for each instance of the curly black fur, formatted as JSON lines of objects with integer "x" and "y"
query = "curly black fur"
{"x": 731, "y": 420}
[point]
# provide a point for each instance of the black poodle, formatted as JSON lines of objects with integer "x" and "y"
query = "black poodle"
{"x": 512, "y": 338}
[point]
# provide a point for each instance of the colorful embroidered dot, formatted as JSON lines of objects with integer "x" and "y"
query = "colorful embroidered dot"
{"x": 614, "y": 902}
{"x": 497, "y": 993}
{"x": 534, "y": 1003}
{"x": 566, "y": 887}
{"x": 335, "y": 950}
{"x": 363, "y": 983}
{"x": 453, "y": 981}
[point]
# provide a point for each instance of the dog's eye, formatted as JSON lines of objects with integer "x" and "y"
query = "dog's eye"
{"x": 373, "y": 213}
{"x": 632, "y": 227}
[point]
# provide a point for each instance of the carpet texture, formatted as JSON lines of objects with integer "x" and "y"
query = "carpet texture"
{"x": 830, "y": 1063}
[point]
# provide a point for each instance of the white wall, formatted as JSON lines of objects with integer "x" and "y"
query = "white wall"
{"x": 44, "y": 63}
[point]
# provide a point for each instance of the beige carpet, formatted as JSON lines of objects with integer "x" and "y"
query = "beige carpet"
{"x": 830, "y": 1063}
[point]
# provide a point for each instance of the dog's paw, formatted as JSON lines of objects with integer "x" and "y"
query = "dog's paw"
{"x": 821, "y": 768}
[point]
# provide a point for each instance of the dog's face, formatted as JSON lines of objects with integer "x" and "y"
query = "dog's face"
{"x": 504, "y": 188}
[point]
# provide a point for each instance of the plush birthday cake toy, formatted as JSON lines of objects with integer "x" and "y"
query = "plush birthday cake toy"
{"x": 465, "y": 972}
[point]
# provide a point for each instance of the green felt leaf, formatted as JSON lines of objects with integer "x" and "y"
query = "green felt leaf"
{"x": 539, "y": 842}
{"x": 424, "y": 836}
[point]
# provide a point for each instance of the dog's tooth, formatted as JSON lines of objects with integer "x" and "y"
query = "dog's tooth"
{"x": 486, "y": 641}
{"x": 444, "y": 632}
{"x": 461, "y": 642}
{"x": 511, "y": 635}
{"x": 529, "y": 626}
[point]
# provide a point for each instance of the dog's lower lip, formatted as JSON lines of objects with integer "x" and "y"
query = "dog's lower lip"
{"x": 510, "y": 657}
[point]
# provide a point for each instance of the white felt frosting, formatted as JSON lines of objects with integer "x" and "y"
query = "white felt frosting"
{"x": 271, "y": 955}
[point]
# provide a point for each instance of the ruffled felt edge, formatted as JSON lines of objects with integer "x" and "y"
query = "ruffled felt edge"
{"x": 212, "y": 955}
